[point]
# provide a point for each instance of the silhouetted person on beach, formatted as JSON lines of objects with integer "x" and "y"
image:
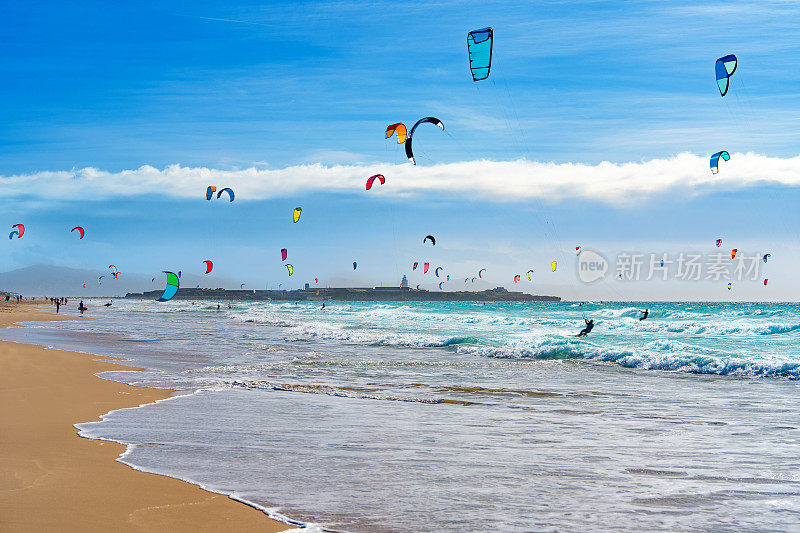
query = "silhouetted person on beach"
{"x": 646, "y": 312}
{"x": 81, "y": 307}
{"x": 58, "y": 305}
{"x": 585, "y": 331}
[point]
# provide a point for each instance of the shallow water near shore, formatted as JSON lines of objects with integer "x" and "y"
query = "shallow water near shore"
{"x": 463, "y": 416}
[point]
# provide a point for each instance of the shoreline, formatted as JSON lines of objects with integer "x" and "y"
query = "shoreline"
{"x": 53, "y": 479}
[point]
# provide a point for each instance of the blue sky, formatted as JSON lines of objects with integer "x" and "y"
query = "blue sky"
{"x": 273, "y": 86}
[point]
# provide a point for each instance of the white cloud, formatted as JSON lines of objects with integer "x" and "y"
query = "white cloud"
{"x": 499, "y": 181}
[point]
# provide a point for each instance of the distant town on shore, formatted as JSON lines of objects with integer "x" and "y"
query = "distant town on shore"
{"x": 308, "y": 293}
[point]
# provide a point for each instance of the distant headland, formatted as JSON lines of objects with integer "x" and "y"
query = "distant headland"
{"x": 498, "y": 294}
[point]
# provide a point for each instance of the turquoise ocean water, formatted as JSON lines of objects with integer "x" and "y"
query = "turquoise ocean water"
{"x": 465, "y": 416}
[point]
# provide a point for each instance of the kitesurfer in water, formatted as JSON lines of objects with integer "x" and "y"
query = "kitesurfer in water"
{"x": 323, "y": 305}
{"x": 646, "y": 312}
{"x": 585, "y": 331}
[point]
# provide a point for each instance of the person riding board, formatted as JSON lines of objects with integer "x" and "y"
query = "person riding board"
{"x": 646, "y": 312}
{"x": 585, "y": 331}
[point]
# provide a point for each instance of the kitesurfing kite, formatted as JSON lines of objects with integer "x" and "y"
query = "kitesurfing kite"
{"x": 480, "y": 272}
{"x": 553, "y": 265}
{"x": 714, "y": 162}
{"x": 416, "y": 263}
{"x": 209, "y": 265}
{"x": 425, "y": 268}
{"x": 479, "y": 49}
{"x": 316, "y": 280}
{"x": 440, "y": 285}
{"x": 528, "y": 274}
{"x": 98, "y": 280}
{"x": 765, "y": 281}
{"x": 724, "y": 69}
{"x": 80, "y": 231}
{"x": 11, "y": 235}
{"x": 577, "y": 250}
{"x": 372, "y": 178}
{"x": 284, "y": 254}
{"x": 173, "y": 284}
{"x": 436, "y": 272}
{"x": 290, "y": 268}
{"x": 398, "y": 127}
{"x": 355, "y": 265}
{"x": 431, "y": 238}
{"x": 229, "y": 190}
{"x": 729, "y": 286}
{"x": 473, "y": 280}
{"x": 409, "y": 151}
{"x": 766, "y": 256}
{"x": 210, "y": 192}
{"x": 517, "y": 278}
{"x": 20, "y": 231}
{"x": 296, "y": 214}
{"x": 733, "y": 253}
{"x": 719, "y": 242}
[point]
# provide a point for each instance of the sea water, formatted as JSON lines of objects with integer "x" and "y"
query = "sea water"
{"x": 458, "y": 416}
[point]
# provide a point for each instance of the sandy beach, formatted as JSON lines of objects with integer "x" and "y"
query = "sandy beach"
{"x": 53, "y": 480}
